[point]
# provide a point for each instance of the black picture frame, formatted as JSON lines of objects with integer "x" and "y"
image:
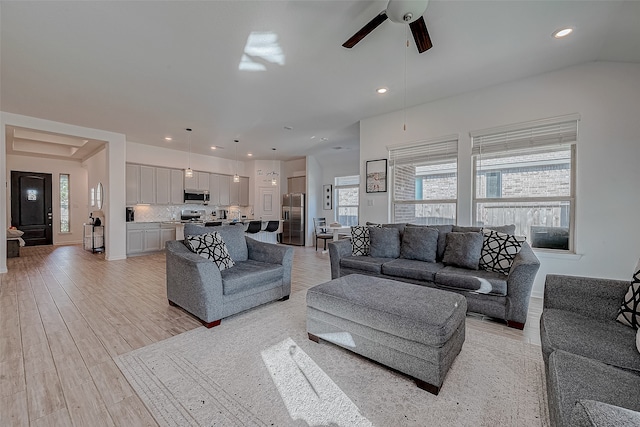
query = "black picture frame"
{"x": 376, "y": 176}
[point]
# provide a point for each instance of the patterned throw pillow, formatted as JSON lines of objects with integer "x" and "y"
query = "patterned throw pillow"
{"x": 629, "y": 313}
{"x": 499, "y": 250}
{"x": 360, "y": 241}
{"x": 211, "y": 246}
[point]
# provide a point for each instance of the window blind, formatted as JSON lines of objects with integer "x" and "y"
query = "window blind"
{"x": 555, "y": 131}
{"x": 426, "y": 152}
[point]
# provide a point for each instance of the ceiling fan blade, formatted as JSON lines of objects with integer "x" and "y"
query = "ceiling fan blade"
{"x": 421, "y": 35}
{"x": 371, "y": 25}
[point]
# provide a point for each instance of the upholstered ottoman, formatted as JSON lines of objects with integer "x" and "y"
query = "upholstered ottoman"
{"x": 416, "y": 330}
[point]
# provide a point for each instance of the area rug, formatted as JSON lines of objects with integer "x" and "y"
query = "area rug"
{"x": 259, "y": 368}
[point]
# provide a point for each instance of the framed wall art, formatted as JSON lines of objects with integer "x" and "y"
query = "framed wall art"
{"x": 377, "y": 176}
{"x": 327, "y": 196}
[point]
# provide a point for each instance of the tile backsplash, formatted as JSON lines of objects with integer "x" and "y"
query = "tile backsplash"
{"x": 153, "y": 213}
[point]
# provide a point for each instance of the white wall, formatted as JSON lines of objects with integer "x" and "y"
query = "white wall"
{"x": 96, "y": 167}
{"x": 607, "y": 97}
{"x": 339, "y": 164}
{"x": 78, "y": 192}
{"x": 166, "y": 157}
{"x": 314, "y": 195}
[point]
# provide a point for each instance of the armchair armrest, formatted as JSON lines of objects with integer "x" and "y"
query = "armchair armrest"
{"x": 588, "y": 296}
{"x": 519, "y": 284}
{"x": 337, "y": 250}
{"x": 193, "y": 283}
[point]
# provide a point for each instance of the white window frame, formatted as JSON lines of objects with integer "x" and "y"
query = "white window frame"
{"x": 337, "y": 187}
{"x": 554, "y": 133}
{"x": 437, "y": 150}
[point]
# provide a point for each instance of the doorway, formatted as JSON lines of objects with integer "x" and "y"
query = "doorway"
{"x": 31, "y": 210}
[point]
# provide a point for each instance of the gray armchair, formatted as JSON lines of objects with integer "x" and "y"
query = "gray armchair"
{"x": 262, "y": 273}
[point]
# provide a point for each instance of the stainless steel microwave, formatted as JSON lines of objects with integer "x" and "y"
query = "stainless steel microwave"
{"x": 196, "y": 196}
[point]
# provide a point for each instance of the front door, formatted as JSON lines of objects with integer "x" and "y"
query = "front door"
{"x": 31, "y": 206}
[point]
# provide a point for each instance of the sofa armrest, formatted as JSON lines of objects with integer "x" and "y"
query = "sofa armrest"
{"x": 193, "y": 282}
{"x": 519, "y": 284}
{"x": 591, "y": 413}
{"x": 273, "y": 254}
{"x": 337, "y": 250}
{"x": 588, "y": 296}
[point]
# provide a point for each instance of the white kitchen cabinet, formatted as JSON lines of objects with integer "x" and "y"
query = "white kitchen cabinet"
{"x": 225, "y": 189}
{"x": 147, "y": 184}
{"x": 191, "y": 183}
{"x": 203, "y": 181}
{"x": 234, "y": 196}
{"x": 297, "y": 184}
{"x": 132, "y": 180}
{"x": 147, "y": 237}
{"x": 163, "y": 186}
{"x": 176, "y": 193}
{"x": 214, "y": 189}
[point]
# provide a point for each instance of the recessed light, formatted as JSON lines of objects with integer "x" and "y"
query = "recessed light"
{"x": 324, "y": 139}
{"x": 382, "y": 90}
{"x": 249, "y": 154}
{"x": 563, "y": 32}
{"x": 168, "y": 138}
{"x": 288, "y": 128}
{"x": 213, "y": 147}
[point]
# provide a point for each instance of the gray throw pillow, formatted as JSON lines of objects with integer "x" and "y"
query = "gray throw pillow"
{"x": 419, "y": 243}
{"x": 463, "y": 250}
{"x": 443, "y": 230}
{"x": 385, "y": 242}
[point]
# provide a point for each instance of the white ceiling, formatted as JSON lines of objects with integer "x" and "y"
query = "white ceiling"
{"x": 151, "y": 69}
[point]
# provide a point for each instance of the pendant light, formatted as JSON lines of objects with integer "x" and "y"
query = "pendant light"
{"x": 236, "y": 177}
{"x": 188, "y": 173}
{"x": 274, "y": 181}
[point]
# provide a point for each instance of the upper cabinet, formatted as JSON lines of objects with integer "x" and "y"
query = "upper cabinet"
{"x": 165, "y": 186}
{"x": 297, "y": 184}
{"x": 199, "y": 181}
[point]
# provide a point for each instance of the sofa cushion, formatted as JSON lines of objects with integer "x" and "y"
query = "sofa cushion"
{"x": 249, "y": 274}
{"x": 364, "y": 263}
{"x": 210, "y": 246}
{"x": 463, "y": 250}
{"x": 572, "y": 378}
{"x": 506, "y": 229}
{"x": 629, "y": 313}
{"x": 499, "y": 250}
{"x": 608, "y": 341}
{"x": 638, "y": 340}
{"x": 411, "y": 269}
{"x": 464, "y": 229}
{"x": 233, "y": 237}
{"x": 384, "y": 242}
{"x": 481, "y": 282}
{"x": 419, "y": 243}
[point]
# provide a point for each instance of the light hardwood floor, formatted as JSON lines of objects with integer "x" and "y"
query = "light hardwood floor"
{"x": 65, "y": 313}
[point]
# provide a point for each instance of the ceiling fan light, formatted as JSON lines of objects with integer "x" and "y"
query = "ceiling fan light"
{"x": 406, "y": 11}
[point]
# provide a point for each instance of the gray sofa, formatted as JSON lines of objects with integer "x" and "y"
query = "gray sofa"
{"x": 592, "y": 364}
{"x": 262, "y": 273}
{"x": 493, "y": 294}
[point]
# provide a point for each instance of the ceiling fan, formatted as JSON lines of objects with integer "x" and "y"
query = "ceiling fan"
{"x": 404, "y": 12}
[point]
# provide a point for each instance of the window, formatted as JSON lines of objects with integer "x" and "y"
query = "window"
{"x": 64, "y": 203}
{"x": 525, "y": 175}
{"x": 347, "y": 196}
{"x": 425, "y": 181}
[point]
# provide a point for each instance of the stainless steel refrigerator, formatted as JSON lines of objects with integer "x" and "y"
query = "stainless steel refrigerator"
{"x": 293, "y": 229}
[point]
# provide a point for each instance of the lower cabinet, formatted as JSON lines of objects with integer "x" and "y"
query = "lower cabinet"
{"x": 148, "y": 237}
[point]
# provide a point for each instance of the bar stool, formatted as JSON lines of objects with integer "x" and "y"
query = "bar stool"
{"x": 254, "y": 227}
{"x": 272, "y": 226}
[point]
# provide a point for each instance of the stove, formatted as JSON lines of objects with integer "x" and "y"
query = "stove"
{"x": 192, "y": 216}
